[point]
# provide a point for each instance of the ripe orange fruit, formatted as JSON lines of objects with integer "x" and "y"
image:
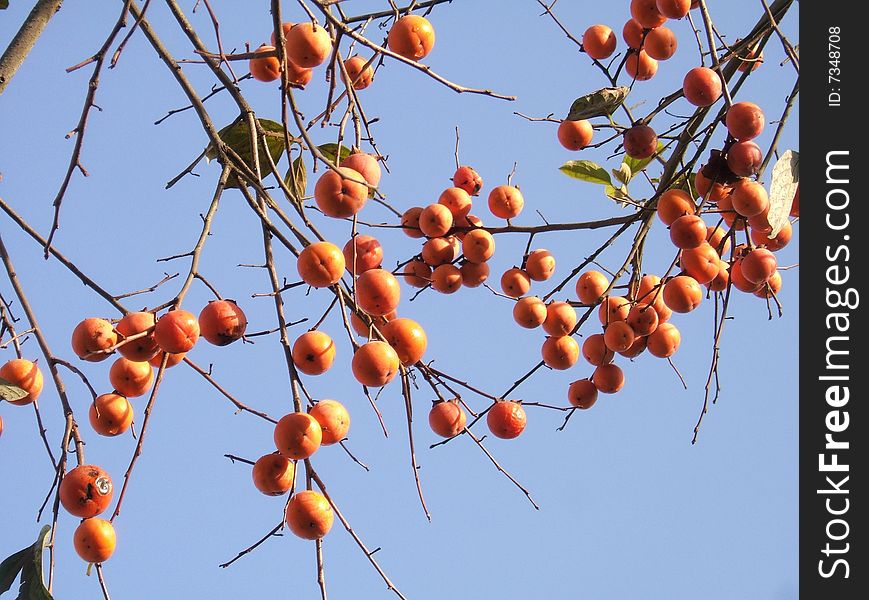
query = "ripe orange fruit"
{"x": 111, "y": 414}
{"x": 174, "y": 359}
{"x": 595, "y": 351}
{"x": 131, "y": 379}
{"x": 362, "y": 328}
{"x": 506, "y": 419}
{"x": 749, "y": 59}
{"x": 26, "y": 375}
{"x": 439, "y": 251}
{"x": 298, "y": 75}
{"x": 407, "y": 338}
{"x": 619, "y": 336}
{"x": 646, "y": 13}
{"x": 722, "y": 278}
{"x": 771, "y": 287}
{"x": 608, "y": 379}
{"x": 285, "y": 29}
{"x": 334, "y": 420}
{"x": 298, "y": 435}
{"x": 222, "y": 322}
{"x": 435, "y": 220}
{"x": 701, "y": 263}
{"x": 540, "y": 265}
{"x": 560, "y": 319}
{"x": 560, "y": 352}
{"x": 664, "y": 341}
{"x": 640, "y": 66}
{"x": 745, "y": 121}
{"x": 93, "y": 335}
{"x": 582, "y": 393}
{"x": 341, "y": 194}
{"x": 749, "y": 198}
{"x": 599, "y": 42}
{"x": 738, "y": 279}
{"x": 447, "y": 419}
{"x": 575, "y": 135}
{"x": 273, "y": 474}
{"x": 478, "y": 246}
{"x": 673, "y": 204}
{"x": 468, "y": 179}
{"x": 366, "y": 165}
{"x": 683, "y": 294}
{"x": 640, "y": 141}
{"x": 643, "y": 320}
{"x": 529, "y": 312}
{"x": 412, "y": 37}
{"x": 515, "y": 282}
{"x": 590, "y": 286}
{"x": 417, "y": 273}
{"x": 474, "y": 274}
{"x": 85, "y": 491}
{"x": 143, "y": 348}
{"x": 410, "y": 222}
{"x": 673, "y": 9}
{"x": 457, "y": 200}
{"x": 718, "y": 238}
{"x": 760, "y": 238}
{"x": 375, "y": 364}
{"x": 321, "y": 264}
{"x": 633, "y": 34}
{"x": 702, "y": 86}
{"x": 359, "y": 74}
{"x": 688, "y": 231}
{"x": 309, "y": 515}
{"x": 94, "y": 540}
{"x": 265, "y": 68}
{"x": 313, "y": 352}
{"x": 362, "y": 253}
{"x": 506, "y": 201}
{"x": 377, "y": 292}
{"x": 446, "y": 279}
{"x": 614, "y": 308}
{"x": 308, "y": 45}
{"x": 638, "y": 347}
{"x": 710, "y": 187}
{"x": 661, "y": 43}
{"x": 759, "y": 265}
{"x": 176, "y": 331}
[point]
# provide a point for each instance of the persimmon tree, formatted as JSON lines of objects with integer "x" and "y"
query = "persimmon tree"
{"x": 694, "y": 198}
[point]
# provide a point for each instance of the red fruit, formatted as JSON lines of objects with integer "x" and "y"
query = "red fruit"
{"x": 744, "y": 121}
{"x": 640, "y": 141}
{"x": 744, "y": 158}
{"x": 582, "y": 393}
{"x": 468, "y": 179}
{"x": 688, "y": 231}
{"x": 759, "y": 265}
{"x": 702, "y": 86}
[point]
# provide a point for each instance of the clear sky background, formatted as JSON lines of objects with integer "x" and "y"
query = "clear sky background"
{"x": 629, "y": 508}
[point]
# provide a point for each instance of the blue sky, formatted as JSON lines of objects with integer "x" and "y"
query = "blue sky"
{"x": 629, "y": 508}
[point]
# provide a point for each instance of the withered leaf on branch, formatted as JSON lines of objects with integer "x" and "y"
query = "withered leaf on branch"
{"x": 237, "y": 137}
{"x": 785, "y": 179}
{"x": 603, "y": 102}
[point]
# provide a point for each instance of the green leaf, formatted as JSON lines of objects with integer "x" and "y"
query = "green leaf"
{"x": 603, "y": 102}
{"x": 330, "y": 151}
{"x": 10, "y": 391}
{"x": 637, "y": 165}
{"x": 620, "y": 194}
{"x": 297, "y": 178}
{"x": 10, "y": 568}
{"x": 237, "y": 137}
{"x": 586, "y": 170}
{"x": 785, "y": 179}
{"x": 623, "y": 174}
{"x": 29, "y": 563}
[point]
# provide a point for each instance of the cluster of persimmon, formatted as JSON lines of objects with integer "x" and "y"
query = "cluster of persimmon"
{"x": 650, "y": 41}
{"x": 144, "y": 342}
{"x": 308, "y": 45}
{"x": 457, "y": 247}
